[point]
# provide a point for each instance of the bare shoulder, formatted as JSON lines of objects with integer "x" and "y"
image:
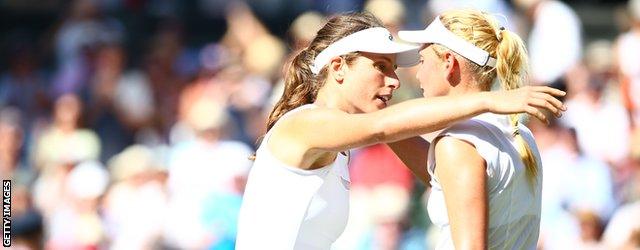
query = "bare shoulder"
{"x": 290, "y": 137}
{"x": 451, "y": 152}
{"x": 303, "y": 121}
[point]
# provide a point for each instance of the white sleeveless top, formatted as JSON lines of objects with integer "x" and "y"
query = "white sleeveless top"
{"x": 285, "y": 207}
{"x": 514, "y": 207}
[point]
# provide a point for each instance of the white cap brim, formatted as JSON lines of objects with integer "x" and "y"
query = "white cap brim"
{"x": 437, "y": 33}
{"x": 374, "y": 40}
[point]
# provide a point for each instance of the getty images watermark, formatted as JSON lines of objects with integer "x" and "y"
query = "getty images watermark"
{"x": 6, "y": 213}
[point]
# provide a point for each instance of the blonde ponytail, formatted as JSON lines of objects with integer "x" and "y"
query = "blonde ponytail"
{"x": 482, "y": 30}
{"x": 511, "y": 66}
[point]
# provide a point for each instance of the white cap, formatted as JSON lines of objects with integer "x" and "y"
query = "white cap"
{"x": 437, "y": 33}
{"x": 375, "y": 40}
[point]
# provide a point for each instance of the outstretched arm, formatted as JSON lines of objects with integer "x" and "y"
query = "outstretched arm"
{"x": 413, "y": 151}
{"x": 317, "y": 131}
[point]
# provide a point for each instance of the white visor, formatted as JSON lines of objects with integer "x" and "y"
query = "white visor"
{"x": 375, "y": 40}
{"x": 437, "y": 33}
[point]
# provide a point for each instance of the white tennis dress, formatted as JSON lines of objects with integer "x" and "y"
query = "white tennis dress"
{"x": 285, "y": 207}
{"x": 514, "y": 206}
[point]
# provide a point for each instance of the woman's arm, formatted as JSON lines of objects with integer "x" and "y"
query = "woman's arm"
{"x": 464, "y": 185}
{"x": 313, "y": 132}
{"x": 413, "y": 153}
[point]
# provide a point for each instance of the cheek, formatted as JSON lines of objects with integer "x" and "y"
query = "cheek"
{"x": 420, "y": 73}
{"x": 424, "y": 76}
{"x": 433, "y": 88}
{"x": 361, "y": 91}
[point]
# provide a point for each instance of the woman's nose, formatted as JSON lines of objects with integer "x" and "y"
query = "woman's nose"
{"x": 393, "y": 82}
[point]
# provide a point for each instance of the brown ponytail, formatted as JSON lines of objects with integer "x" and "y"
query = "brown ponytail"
{"x": 300, "y": 84}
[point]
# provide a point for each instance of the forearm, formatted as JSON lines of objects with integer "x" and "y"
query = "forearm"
{"x": 334, "y": 130}
{"x": 422, "y": 116}
{"x": 413, "y": 152}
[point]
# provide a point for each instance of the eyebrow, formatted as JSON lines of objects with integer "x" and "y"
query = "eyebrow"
{"x": 384, "y": 59}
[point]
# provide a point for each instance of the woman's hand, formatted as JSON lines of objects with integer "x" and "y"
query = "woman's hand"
{"x": 529, "y": 99}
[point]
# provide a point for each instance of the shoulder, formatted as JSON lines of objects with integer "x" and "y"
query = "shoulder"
{"x": 468, "y": 126}
{"x": 310, "y": 115}
{"x": 296, "y": 122}
{"x": 462, "y": 144}
{"x": 471, "y": 131}
{"x": 454, "y": 151}
{"x": 287, "y": 140}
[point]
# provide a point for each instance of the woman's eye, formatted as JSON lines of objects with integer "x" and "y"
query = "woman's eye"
{"x": 421, "y": 61}
{"x": 380, "y": 66}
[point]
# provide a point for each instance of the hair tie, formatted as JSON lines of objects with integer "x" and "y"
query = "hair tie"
{"x": 499, "y": 35}
{"x": 516, "y": 131}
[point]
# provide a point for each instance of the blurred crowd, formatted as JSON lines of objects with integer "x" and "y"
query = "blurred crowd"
{"x": 111, "y": 145}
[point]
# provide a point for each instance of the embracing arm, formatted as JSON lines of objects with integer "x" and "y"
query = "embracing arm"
{"x": 334, "y": 130}
{"x": 316, "y": 131}
{"x": 463, "y": 182}
{"x": 413, "y": 153}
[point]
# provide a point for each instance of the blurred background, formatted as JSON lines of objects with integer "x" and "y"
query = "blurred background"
{"x": 127, "y": 124}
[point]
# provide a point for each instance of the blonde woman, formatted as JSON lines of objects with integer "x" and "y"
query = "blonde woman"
{"x": 485, "y": 173}
{"x": 336, "y": 97}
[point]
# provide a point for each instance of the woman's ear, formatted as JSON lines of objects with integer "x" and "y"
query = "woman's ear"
{"x": 451, "y": 67}
{"x": 336, "y": 69}
{"x": 450, "y": 61}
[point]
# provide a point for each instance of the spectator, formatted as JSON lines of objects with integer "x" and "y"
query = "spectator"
{"x": 26, "y": 221}
{"x": 591, "y": 227}
{"x": 623, "y": 231}
{"x": 591, "y": 113}
{"x": 551, "y": 19}
{"x": 74, "y": 222}
{"x": 64, "y": 141}
{"x": 205, "y": 172}
{"x": 628, "y": 65}
{"x": 138, "y": 191}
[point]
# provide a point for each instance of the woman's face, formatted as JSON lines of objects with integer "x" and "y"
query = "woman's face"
{"x": 370, "y": 82}
{"x": 431, "y": 73}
